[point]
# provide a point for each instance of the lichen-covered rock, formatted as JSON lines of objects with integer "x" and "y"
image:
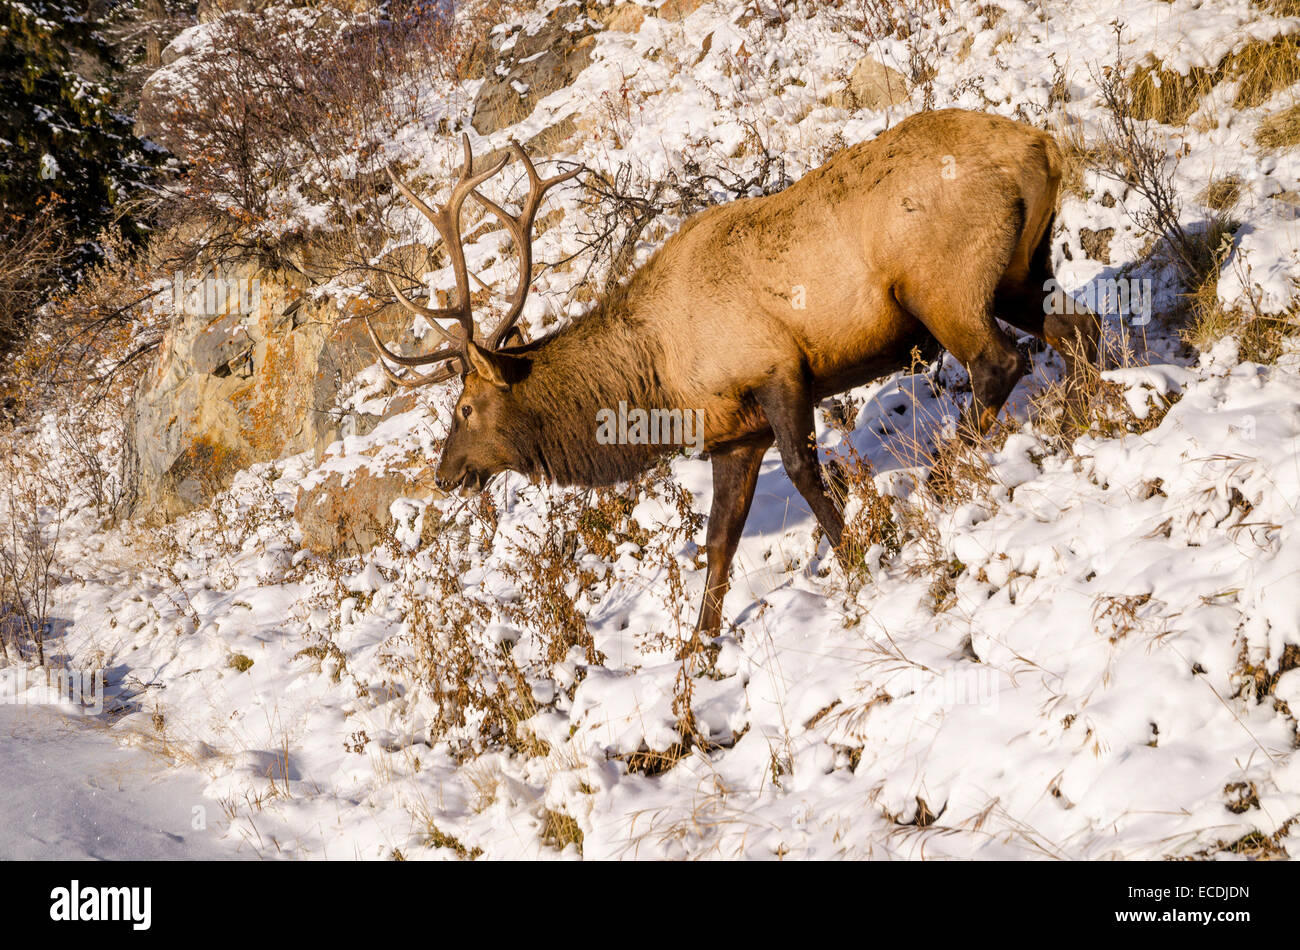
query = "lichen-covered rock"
{"x": 871, "y": 85}
{"x": 349, "y": 512}
{"x": 251, "y": 373}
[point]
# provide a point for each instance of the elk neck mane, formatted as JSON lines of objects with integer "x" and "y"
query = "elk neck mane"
{"x": 607, "y": 356}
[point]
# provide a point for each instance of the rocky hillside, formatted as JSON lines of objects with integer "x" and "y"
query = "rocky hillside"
{"x": 1083, "y": 646}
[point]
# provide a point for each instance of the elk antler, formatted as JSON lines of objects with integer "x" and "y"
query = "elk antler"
{"x": 446, "y": 220}
{"x": 521, "y": 227}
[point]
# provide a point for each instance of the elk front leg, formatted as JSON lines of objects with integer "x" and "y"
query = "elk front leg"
{"x": 735, "y": 474}
{"x": 789, "y": 410}
{"x": 992, "y": 377}
{"x": 1072, "y": 330}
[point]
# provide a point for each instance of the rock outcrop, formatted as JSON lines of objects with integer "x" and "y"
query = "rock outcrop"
{"x": 522, "y": 68}
{"x": 346, "y": 512}
{"x": 237, "y": 381}
{"x": 871, "y": 85}
{"x": 249, "y": 374}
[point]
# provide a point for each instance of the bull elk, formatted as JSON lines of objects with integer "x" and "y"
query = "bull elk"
{"x": 757, "y": 309}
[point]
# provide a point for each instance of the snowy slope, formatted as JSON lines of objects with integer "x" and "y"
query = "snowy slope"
{"x": 1080, "y": 660}
{"x": 73, "y": 793}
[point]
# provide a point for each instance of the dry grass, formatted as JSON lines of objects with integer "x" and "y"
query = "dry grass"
{"x": 1279, "y": 7}
{"x": 482, "y": 687}
{"x": 1255, "y": 680}
{"x": 872, "y": 524}
{"x": 1280, "y": 130}
{"x": 560, "y": 830}
{"x": 958, "y": 472}
{"x": 1260, "y": 69}
{"x": 1263, "y": 68}
{"x": 1078, "y": 157}
{"x": 1117, "y": 616}
{"x": 1060, "y": 413}
{"x": 1166, "y": 96}
{"x": 1209, "y": 250}
{"x": 1100, "y": 409}
{"x": 1257, "y": 846}
{"x": 1261, "y": 337}
{"x": 1222, "y": 194}
{"x": 436, "y": 838}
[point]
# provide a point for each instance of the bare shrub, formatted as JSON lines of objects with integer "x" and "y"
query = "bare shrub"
{"x": 866, "y": 22}
{"x": 1131, "y": 153}
{"x": 85, "y": 346}
{"x": 871, "y": 524}
{"x": 480, "y": 693}
{"x": 31, "y": 522}
{"x": 278, "y": 116}
{"x": 550, "y": 581}
{"x": 31, "y": 251}
{"x": 138, "y": 31}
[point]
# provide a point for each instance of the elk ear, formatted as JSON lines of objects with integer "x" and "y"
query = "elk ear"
{"x": 499, "y": 369}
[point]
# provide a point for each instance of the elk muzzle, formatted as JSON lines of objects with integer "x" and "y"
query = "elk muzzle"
{"x": 455, "y": 474}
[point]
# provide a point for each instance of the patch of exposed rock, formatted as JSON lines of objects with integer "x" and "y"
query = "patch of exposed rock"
{"x": 249, "y": 374}
{"x": 871, "y": 85}
{"x": 522, "y": 68}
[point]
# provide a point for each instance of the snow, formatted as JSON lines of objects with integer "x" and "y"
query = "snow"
{"x": 73, "y": 793}
{"x": 1078, "y": 687}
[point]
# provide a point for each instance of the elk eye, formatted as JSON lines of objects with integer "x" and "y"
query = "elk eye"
{"x": 466, "y": 411}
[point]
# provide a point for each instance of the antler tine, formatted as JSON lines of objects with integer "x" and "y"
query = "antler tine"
{"x": 431, "y": 315}
{"x": 451, "y": 229}
{"x": 438, "y": 356}
{"x": 446, "y": 220}
{"x": 520, "y": 227}
{"x": 412, "y": 379}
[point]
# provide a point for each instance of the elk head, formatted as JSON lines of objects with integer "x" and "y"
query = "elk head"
{"x": 478, "y": 445}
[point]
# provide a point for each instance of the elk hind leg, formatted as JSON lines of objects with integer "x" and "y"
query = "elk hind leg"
{"x": 969, "y": 333}
{"x": 735, "y": 475}
{"x": 788, "y": 405}
{"x": 957, "y": 311}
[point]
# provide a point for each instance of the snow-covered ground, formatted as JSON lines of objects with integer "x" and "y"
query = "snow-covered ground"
{"x": 1080, "y": 660}
{"x": 73, "y": 792}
